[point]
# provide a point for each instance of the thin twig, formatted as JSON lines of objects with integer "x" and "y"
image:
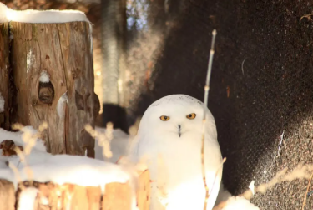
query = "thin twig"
{"x": 307, "y": 190}
{"x": 281, "y": 140}
{"x": 243, "y": 62}
{"x": 221, "y": 167}
{"x": 308, "y": 16}
{"x": 205, "y": 104}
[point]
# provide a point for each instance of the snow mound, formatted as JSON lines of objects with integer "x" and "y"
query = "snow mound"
{"x": 78, "y": 170}
{"x": 38, "y": 16}
{"x": 3, "y": 12}
{"x": 239, "y": 203}
{"x": 47, "y": 16}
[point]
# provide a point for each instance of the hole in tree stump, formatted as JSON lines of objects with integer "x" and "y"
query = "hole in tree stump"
{"x": 2, "y": 119}
{"x": 45, "y": 92}
{"x": 79, "y": 99}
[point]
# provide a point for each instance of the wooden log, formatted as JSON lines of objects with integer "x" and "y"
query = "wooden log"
{"x": 143, "y": 193}
{"x": 53, "y": 74}
{"x": 7, "y": 195}
{"x": 94, "y": 198}
{"x": 117, "y": 196}
{"x": 4, "y": 78}
{"x": 51, "y": 196}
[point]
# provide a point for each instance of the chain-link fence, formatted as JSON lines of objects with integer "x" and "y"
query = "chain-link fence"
{"x": 261, "y": 84}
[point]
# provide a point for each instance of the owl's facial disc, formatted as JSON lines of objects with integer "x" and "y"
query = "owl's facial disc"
{"x": 175, "y": 120}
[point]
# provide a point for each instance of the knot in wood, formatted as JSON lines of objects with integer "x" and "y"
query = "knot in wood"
{"x": 81, "y": 101}
{"x": 96, "y": 105}
{"x": 45, "y": 93}
{"x": 8, "y": 148}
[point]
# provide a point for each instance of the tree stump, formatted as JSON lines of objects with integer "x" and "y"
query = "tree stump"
{"x": 143, "y": 193}
{"x": 48, "y": 195}
{"x": 4, "y": 80}
{"x": 53, "y": 75}
{"x": 7, "y": 195}
{"x": 115, "y": 190}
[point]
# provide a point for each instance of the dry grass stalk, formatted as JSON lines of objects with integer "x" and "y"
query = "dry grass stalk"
{"x": 15, "y": 171}
{"x": 133, "y": 130}
{"x": 205, "y": 104}
{"x": 307, "y": 190}
{"x": 103, "y": 139}
{"x": 217, "y": 173}
{"x": 30, "y": 139}
{"x": 300, "y": 172}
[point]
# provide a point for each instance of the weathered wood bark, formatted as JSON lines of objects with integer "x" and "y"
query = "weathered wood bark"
{"x": 4, "y": 68}
{"x": 115, "y": 190}
{"x": 64, "y": 52}
{"x": 7, "y": 196}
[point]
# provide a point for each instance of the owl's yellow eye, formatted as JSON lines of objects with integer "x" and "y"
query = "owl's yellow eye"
{"x": 164, "y": 118}
{"x": 191, "y": 116}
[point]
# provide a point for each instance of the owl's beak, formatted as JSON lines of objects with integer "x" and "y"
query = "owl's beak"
{"x": 179, "y": 130}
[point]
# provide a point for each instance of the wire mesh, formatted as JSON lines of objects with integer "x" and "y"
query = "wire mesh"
{"x": 261, "y": 82}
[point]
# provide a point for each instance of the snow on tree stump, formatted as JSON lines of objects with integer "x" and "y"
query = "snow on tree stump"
{"x": 4, "y": 67}
{"x": 39, "y": 196}
{"x": 53, "y": 74}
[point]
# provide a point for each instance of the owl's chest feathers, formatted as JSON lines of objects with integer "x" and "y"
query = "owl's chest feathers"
{"x": 177, "y": 158}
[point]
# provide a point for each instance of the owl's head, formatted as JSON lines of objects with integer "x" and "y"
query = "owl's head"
{"x": 177, "y": 116}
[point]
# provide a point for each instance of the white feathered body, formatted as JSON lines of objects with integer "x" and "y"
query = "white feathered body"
{"x": 174, "y": 160}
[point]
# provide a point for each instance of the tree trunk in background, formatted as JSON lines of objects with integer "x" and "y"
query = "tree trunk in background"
{"x": 66, "y": 100}
{"x": 110, "y": 52}
{"x": 4, "y": 80}
{"x": 122, "y": 29}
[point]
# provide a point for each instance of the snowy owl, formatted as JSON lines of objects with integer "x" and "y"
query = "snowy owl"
{"x": 169, "y": 139}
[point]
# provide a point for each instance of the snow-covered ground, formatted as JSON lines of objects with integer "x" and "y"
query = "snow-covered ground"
{"x": 70, "y": 169}
{"x": 60, "y": 168}
{"x": 41, "y": 166}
